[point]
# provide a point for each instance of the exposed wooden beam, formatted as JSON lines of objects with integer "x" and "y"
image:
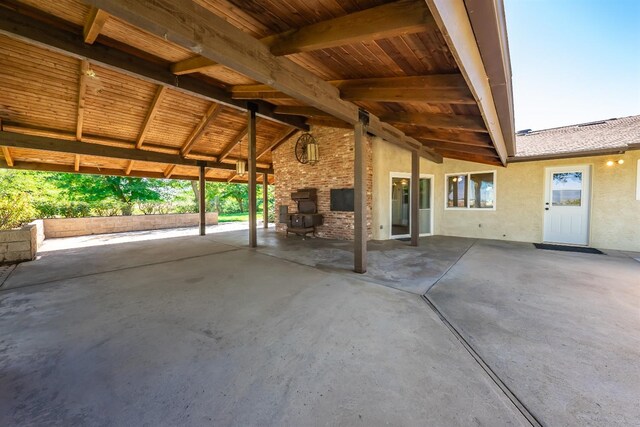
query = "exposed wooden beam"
{"x": 360, "y": 200}
{"x": 11, "y": 139}
{"x": 453, "y": 145}
{"x": 466, "y": 149}
{"x": 222, "y": 42}
{"x": 193, "y": 65}
{"x": 168, "y": 171}
{"x": 231, "y": 145}
{"x": 51, "y": 167}
{"x": 7, "y": 156}
{"x": 127, "y": 171}
{"x": 437, "y": 121}
{"x": 151, "y": 113}
{"x": 301, "y": 111}
{"x": 428, "y": 95}
{"x": 328, "y": 122}
{"x": 265, "y": 200}
{"x": 397, "y": 137}
{"x": 82, "y": 90}
{"x": 439, "y": 88}
{"x": 454, "y": 137}
{"x": 389, "y": 20}
{"x": 35, "y": 32}
{"x": 211, "y": 114}
{"x": 202, "y": 200}
{"x": 381, "y": 22}
{"x": 232, "y": 176}
{"x": 76, "y": 163}
{"x": 251, "y": 170}
{"x": 453, "y": 21}
{"x": 92, "y": 27}
{"x": 491, "y": 160}
{"x": 279, "y": 139}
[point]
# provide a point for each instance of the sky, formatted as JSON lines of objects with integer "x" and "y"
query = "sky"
{"x": 573, "y": 61}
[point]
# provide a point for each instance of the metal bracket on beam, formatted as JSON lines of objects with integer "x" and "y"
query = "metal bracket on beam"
{"x": 363, "y": 116}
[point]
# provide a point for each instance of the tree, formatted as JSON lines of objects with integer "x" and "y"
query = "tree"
{"x": 92, "y": 188}
{"x": 238, "y": 192}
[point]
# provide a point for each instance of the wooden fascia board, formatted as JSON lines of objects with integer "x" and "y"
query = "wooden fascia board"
{"x": 18, "y": 140}
{"x": 453, "y": 21}
{"x": 30, "y": 31}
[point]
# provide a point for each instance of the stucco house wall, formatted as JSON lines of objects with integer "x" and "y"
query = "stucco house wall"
{"x": 520, "y": 193}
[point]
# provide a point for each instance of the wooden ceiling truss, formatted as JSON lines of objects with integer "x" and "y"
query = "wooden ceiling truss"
{"x": 153, "y": 99}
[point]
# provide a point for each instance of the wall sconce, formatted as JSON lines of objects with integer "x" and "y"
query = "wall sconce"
{"x": 306, "y": 149}
{"x": 611, "y": 162}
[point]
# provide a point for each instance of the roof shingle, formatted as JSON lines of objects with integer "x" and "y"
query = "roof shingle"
{"x": 586, "y": 137}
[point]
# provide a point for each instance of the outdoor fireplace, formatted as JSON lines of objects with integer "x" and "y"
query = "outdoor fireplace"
{"x": 307, "y": 218}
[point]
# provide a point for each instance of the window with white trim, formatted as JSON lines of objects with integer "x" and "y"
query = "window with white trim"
{"x": 472, "y": 190}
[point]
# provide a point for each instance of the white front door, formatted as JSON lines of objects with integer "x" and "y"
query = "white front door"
{"x": 566, "y": 214}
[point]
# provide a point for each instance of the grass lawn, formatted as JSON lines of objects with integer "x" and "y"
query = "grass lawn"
{"x": 236, "y": 217}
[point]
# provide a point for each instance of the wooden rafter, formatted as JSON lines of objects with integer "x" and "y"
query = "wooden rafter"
{"x": 389, "y": 20}
{"x": 454, "y": 137}
{"x": 193, "y": 65}
{"x": 232, "y": 176}
{"x": 437, "y": 121}
{"x": 169, "y": 170}
{"x": 281, "y": 138}
{"x": 76, "y": 163}
{"x": 127, "y": 171}
{"x": 211, "y": 114}
{"x": 489, "y": 160}
{"x": 439, "y": 88}
{"x": 7, "y": 156}
{"x": 12, "y": 139}
{"x": 231, "y": 145}
{"x": 459, "y": 148}
{"x": 151, "y": 113}
{"x": 92, "y": 27}
{"x": 82, "y": 90}
{"x": 301, "y": 111}
{"x": 34, "y": 32}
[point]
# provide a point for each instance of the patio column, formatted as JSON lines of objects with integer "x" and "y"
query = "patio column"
{"x": 415, "y": 199}
{"x": 202, "y": 205}
{"x": 360, "y": 198}
{"x": 265, "y": 200}
{"x": 253, "y": 182}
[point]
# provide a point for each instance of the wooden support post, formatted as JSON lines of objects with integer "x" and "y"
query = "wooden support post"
{"x": 201, "y": 201}
{"x": 360, "y": 200}
{"x": 415, "y": 190}
{"x": 265, "y": 200}
{"x": 251, "y": 135}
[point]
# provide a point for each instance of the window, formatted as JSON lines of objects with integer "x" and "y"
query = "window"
{"x": 638, "y": 182}
{"x": 471, "y": 190}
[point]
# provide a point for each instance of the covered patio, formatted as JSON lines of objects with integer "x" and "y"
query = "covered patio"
{"x": 177, "y": 330}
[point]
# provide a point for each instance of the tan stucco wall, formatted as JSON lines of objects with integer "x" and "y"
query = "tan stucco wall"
{"x": 615, "y": 212}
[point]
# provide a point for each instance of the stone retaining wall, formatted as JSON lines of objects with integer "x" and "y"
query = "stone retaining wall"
{"x": 20, "y": 244}
{"x": 69, "y": 227}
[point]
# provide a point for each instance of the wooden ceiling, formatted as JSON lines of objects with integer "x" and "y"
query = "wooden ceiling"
{"x": 74, "y": 77}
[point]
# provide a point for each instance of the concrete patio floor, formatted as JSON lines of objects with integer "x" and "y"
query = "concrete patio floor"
{"x": 202, "y": 330}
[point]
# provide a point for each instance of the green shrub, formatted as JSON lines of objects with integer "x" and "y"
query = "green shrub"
{"x": 155, "y": 208}
{"x": 186, "y": 208}
{"x": 107, "y": 208}
{"x": 46, "y": 209}
{"x": 15, "y": 210}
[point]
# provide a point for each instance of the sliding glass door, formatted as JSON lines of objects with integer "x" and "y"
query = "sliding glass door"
{"x": 401, "y": 205}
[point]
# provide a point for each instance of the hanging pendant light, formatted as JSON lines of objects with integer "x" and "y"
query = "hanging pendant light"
{"x": 241, "y": 165}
